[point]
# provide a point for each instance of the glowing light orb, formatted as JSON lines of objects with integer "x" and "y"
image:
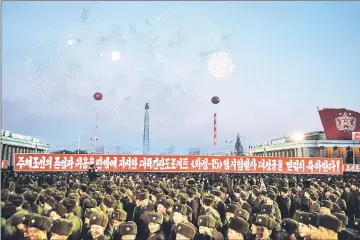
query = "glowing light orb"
{"x": 221, "y": 65}
{"x": 298, "y": 136}
{"x": 70, "y": 42}
{"x": 115, "y": 56}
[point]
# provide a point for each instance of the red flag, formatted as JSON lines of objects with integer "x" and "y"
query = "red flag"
{"x": 339, "y": 124}
{"x": 215, "y": 130}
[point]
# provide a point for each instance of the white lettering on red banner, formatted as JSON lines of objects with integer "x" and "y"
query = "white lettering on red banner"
{"x": 158, "y": 163}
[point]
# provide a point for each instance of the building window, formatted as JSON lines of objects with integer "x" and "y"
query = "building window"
{"x": 312, "y": 152}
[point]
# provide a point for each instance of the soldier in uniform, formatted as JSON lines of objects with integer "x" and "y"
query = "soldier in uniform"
{"x": 314, "y": 205}
{"x": 48, "y": 205}
{"x": 117, "y": 218}
{"x": 289, "y": 229}
{"x": 194, "y": 203}
{"x": 325, "y": 207}
{"x": 18, "y": 201}
{"x": 155, "y": 221}
{"x": 264, "y": 227}
{"x": 329, "y": 227}
{"x": 185, "y": 231}
{"x": 78, "y": 211}
{"x": 178, "y": 216}
{"x": 237, "y": 229}
{"x": 284, "y": 202}
{"x": 128, "y": 231}
{"x": 140, "y": 212}
{"x": 98, "y": 223}
{"x": 61, "y": 229}
{"x": 219, "y": 205}
{"x": 345, "y": 221}
{"x": 163, "y": 205}
{"x": 86, "y": 225}
{"x": 14, "y": 227}
{"x": 58, "y": 211}
{"x": 207, "y": 228}
{"x": 76, "y": 221}
{"x": 208, "y": 201}
{"x": 230, "y": 213}
{"x": 39, "y": 226}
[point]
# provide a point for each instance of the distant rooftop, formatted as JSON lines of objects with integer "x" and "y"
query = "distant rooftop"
{"x": 317, "y": 135}
{"x": 8, "y": 134}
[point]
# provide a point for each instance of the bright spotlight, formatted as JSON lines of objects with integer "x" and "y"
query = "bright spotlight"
{"x": 298, "y": 136}
{"x": 70, "y": 42}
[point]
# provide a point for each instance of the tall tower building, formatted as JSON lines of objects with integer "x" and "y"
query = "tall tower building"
{"x": 146, "y": 137}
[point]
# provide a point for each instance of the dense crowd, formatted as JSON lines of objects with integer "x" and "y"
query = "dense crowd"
{"x": 139, "y": 206}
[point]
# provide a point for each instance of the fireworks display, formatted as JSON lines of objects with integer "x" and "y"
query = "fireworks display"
{"x": 68, "y": 65}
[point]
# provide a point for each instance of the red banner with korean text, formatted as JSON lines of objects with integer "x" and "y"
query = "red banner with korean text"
{"x": 351, "y": 167}
{"x": 168, "y": 163}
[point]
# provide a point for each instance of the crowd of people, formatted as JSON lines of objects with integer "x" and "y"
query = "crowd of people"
{"x": 178, "y": 206}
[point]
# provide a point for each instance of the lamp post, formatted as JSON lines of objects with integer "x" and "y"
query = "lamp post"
{"x": 79, "y": 139}
{"x": 232, "y": 152}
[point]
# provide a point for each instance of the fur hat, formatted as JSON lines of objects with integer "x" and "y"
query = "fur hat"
{"x": 180, "y": 208}
{"x": 8, "y": 210}
{"x": 109, "y": 201}
{"x": 302, "y": 217}
{"x": 155, "y": 218}
{"x": 70, "y": 204}
{"x": 90, "y": 203}
{"x": 242, "y": 213}
{"x": 168, "y": 203}
{"x": 89, "y": 212}
{"x": 326, "y": 204}
{"x": 239, "y": 225}
{"x": 99, "y": 219}
{"x": 342, "y": 217}
{"x": 290, "y": 226}
{"x": 186, "y": 229}
{"x": 40, "y": 222}
{"x": 313, "y": 219}
{"x": 119, "y": 214}
{"x": 232, "y": 208}
{"x": 330, "y": 222}
{"x": 62, "y": 227}
{"x": 128, "y": 228}
{"x": 208, "y": 199}
{"x": 17, "y": 218}
{"x": 207, "y": 221}
{"x": 16, "y": 199}
{"x": 265, "y": 221}
{"x": 50, "y": 200}
{"x": 183, "y": 197}
{"x": 59, "y": 209}
{"x": 142, "y": 196}
{"x": 244, "y": 195}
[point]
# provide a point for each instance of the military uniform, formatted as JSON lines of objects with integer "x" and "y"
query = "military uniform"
{"x": 140, "y": 216}
{"x": 42, "y": 223}
{"x": 156, "y": 218}
{"x": 102, "y": 220}
{"x": 127, "y": 228}
{"x": 61, "y": 227}
{"x": 77, "y": 226}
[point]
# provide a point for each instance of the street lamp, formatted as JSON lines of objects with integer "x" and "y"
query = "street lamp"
{"x": 79, "y": 138}
{"x": 232, "y": 152}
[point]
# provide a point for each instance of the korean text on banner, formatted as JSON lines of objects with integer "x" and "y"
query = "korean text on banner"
{"x": 159, "y": 163}
{"x": 351, "y": 167}
{"x": 356, "y": 136}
